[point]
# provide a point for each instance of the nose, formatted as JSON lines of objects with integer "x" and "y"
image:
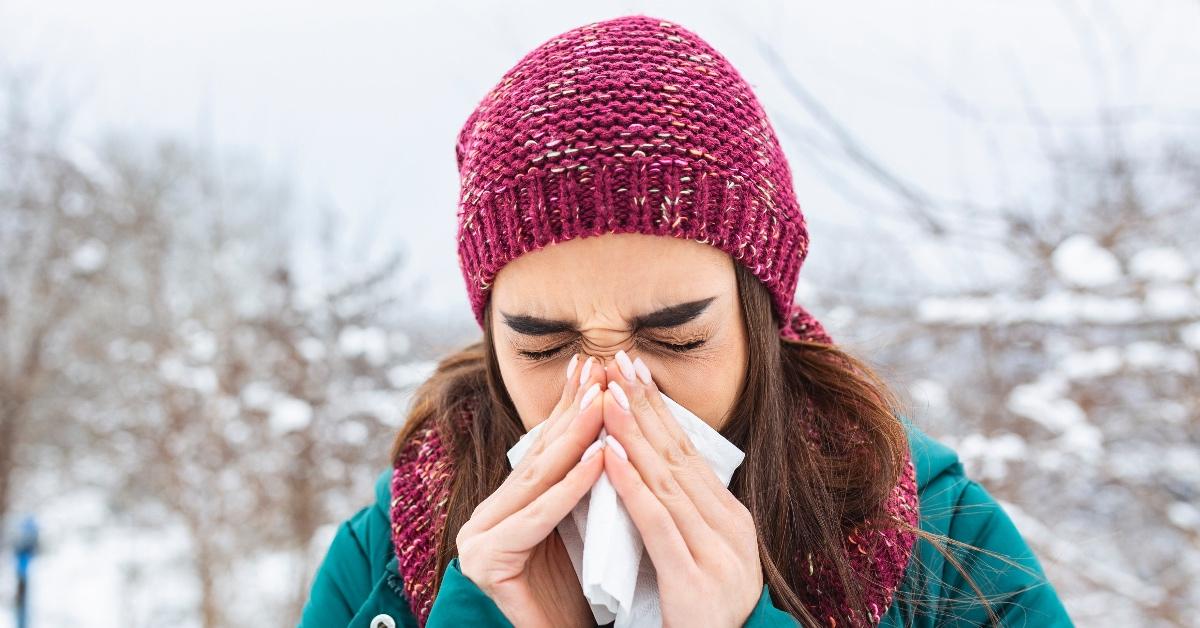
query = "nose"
{"x": 606, "y": 348}
{"x": 600, "y": 359}
{"x": 602, "y": 356}
{"x": 607, "y": 359}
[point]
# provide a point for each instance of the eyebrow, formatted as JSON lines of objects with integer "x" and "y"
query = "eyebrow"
{"x": 667, "y": 317}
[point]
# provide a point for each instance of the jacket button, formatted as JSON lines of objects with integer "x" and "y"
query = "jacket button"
{"x": 383, "y": 620}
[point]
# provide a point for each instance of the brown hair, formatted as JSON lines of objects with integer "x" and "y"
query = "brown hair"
{"x": 803, "y": 495}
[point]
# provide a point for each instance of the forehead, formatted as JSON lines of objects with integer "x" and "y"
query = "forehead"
{"x": 611, "y": 276}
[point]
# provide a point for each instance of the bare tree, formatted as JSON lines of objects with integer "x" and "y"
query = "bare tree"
{"x": 161, "y": 348}
{"x": 54, "y": 248}
{"x": 1067, "y": 379}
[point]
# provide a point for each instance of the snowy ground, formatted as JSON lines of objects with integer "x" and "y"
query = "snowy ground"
{"x": 98, "y": 573}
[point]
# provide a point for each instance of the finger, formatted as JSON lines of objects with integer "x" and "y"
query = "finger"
{"x": 588, "y": 376}
{"x": 576, "y": 376}
{"x": 677, "y": 435}
{"x": 660, "y": 534}
{"x": 680, "y": 456}
{"x": 535, "y": 521}
{"x": 660, "y": 479}
{"x": 571, "y": 391}
{"x": 536, "y": 473}
{"x": 570, "y": 383}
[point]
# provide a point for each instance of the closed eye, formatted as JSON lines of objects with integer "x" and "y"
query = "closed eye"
{"x": 551, "y": 353}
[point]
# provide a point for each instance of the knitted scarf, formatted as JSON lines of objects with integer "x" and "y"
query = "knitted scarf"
{"x": 878, "y": 553}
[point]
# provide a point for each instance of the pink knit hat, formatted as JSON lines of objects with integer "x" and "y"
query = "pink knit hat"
{"x": 633, "y": 124}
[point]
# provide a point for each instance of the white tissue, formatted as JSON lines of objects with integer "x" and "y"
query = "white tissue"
{"x": 616, "y": 574}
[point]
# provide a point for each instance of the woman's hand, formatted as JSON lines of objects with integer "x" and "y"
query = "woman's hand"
{"x": 700, "y": 537}
{"x": 509, "y": 547}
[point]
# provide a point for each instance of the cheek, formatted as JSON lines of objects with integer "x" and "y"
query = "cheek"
{"x": 534, "y": 393}
{"x": 706, "y": 387}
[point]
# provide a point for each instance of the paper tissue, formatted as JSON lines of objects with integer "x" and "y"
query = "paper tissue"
{"x": 616, "y": 574}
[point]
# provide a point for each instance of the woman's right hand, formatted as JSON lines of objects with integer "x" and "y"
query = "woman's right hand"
{"x": 507, "y": 547}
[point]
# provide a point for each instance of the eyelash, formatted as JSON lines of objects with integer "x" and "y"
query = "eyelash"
{"x": 550, "y": 353}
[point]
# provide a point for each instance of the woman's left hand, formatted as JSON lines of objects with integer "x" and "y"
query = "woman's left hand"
{"x": 700, "y": 537}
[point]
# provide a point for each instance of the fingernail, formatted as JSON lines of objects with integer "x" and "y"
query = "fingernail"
{"x": 571, "y": 365}
{"x": 592, "y": 449}
{"x": 616, "y": 447}
{"x": 589, "y": 395}
{"x": 617, "y": 392}
{"x": 625, "y": 364}
{"x": 587, "y": 370}
{"x": 643, "y": 371}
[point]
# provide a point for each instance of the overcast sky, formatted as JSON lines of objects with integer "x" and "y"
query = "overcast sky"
{"x": 359, "y": 107}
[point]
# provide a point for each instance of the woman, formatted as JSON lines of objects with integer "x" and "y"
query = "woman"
{"x": 627, "y": 226}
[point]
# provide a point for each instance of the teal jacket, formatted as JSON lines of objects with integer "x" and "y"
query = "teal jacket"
{"x": 358, "y": 585}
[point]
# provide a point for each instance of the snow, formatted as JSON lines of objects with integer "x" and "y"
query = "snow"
{"x": 385, "y": 405}
{"x": 1150, "y": 356}
{"x": 141, "y": 352}
{"x": 352, "y": 432}
{"x": 399, "y": 343}
{"x": 1045, "y": 401}
{"x": 95, "y": 570}
{"x": 311, "y": 348}
{"x": 90, "y": 256}
{"x": 1066, "y": 308}
{"x": 931, "y": 393}
{"x": 1181, "y": 461}
{"x": 1081, "y": 261}
{"x": 410, "y": 374}
{"x": 105, "y": 567}
{"x": 369, "y": 342}
{"x": 236, "y": 431}
{"x": 987, "y": 458}
{"x": 289, "y": 414}
{"x": 1089, "y": 364}
{"x": 258, "y": 395}
{"x": 1184, "y": 515}
{"x": 1162, "y": 303}
{"x": 1191, "y": 336}
{"x": 202, "y": 345}
{"x": 1167, "y": 302}
{"x": 840, "y": 317}
{"x": 1159, "y": 264}
{"x": 1097, "y": 565}
{"x": 1143, "y": 355}
{"x": 956, "y": 310}
{"x": 175, "y": 370}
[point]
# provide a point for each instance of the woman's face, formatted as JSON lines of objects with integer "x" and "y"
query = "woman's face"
{"x": 631, "y": 291}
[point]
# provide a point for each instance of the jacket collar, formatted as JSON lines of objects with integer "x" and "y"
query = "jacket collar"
{"x": 929, "y": 457}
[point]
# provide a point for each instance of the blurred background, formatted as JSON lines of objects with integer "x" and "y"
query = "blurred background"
{"x": 227, "y": 256}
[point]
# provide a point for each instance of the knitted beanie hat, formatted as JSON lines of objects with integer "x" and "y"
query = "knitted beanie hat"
{"x": 628, "y": 125}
